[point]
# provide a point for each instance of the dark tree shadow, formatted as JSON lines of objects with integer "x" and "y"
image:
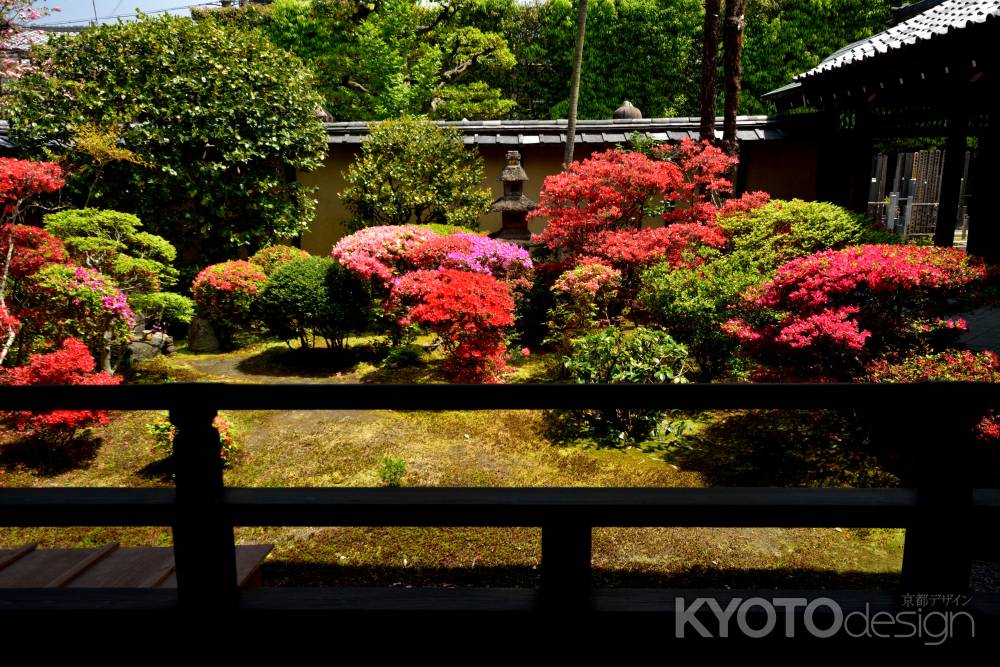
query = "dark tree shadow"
{"x": 161, "y": 470}
{"x": 317, "y": 362}
{"x": 49, "y": 458}
{"x": 786, "y": 448}
{"x": 278, "y": 572}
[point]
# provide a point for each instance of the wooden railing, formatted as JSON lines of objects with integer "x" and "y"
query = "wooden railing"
{"x": 941, "y": 514}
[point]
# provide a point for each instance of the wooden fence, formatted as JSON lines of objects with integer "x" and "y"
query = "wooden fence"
{"x": 941, "y": 517}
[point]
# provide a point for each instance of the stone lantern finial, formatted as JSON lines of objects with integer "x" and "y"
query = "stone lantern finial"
{"x": 626, "y": 110}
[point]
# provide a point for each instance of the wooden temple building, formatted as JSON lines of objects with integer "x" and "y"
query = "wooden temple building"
{"x": 931, "y": 74}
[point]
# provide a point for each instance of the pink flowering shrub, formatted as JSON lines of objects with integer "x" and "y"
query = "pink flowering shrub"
{"x": 827, "y": 314}
{"x": 225, "y": 293}
{"x": 583, "y": 295}
{"x": 64, "y": 301}
{"x": 503, "y": 260}
{"x": 470, "y": 312}
{"x": 380, "y": 253}
{"x": 70, "y": 364}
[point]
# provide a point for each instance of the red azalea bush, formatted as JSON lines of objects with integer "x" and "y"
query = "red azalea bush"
{"x": 22, "y": 179}
{"x": 827, "y": 314}
{"x": 704, "y": 169}
{"x": 610, "y": 190}
{"x": 230, "y": 450}
{"x": 69, "y": 365}
{"x": 380, "y": 253}
{"x": 225, "y": 292}
{"x": 34, "y": 248}
{"x": 470, "y": 312}
{"x": 431, "y": 253}
{"x": 747, "y": 202}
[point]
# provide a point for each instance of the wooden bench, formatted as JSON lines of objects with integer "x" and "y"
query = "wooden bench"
{"x": 111, "y": 566}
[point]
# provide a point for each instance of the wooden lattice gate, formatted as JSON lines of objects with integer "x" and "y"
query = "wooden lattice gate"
{"x": 905, "y": 192}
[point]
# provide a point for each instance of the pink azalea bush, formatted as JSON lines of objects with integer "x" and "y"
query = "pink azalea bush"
{"x": 826, "y": 314}
{"x": 380, "y": 253}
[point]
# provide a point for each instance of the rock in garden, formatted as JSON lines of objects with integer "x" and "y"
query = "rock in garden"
{"x": 151, "y": 344}
{"x": 201, "y": 336}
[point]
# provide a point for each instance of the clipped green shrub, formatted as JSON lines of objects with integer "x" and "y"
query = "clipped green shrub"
{"x": 613, "y": 355}
{"x": 271, "y": 257}
{"x": 782, "y": 231}
{"x": 311, "y": 297}
{"x": 693, "y": 303}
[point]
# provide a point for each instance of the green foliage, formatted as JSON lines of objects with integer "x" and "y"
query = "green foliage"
{"x": 271, "y": 257}
{"x": 784, "y": 230}
{"x": 642, "y": 356}
{"x": 215, "y": 117}
{"x": 786, "y": 37}
{"x": 392, "y": 470}
{"x": 162, "y": 309}
{"x": 692, "y": 304}
{"x": 110, "y": 242}
{"x": 448, "y": 230}
{"x": 411, "y": 171}
{"x": 311, "y": 296}
{"x": 390, "y": 58}
{"x": 645, "y": 51}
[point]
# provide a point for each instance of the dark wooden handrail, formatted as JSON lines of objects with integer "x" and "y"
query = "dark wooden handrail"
{"x": 939, "y": 518}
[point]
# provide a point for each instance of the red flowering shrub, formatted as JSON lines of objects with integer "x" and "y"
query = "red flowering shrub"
{"x": 431, "y": 253}
{"x": 73, "y": 365}
{"x": 21, "y": 179}
{"x": 270, "y": 258}
{"x": 610, "y": 190}
{"x": 950, "y": 366}
{"x": 230, "y": 449}
{"x": 704, "y": 168}
{"x": 34, "y": 248}
{"x": 470, "y": 312}
{"x": 744, "y": 204}
{"x": 641, "y": 247}
{"x": 829, "y": 313}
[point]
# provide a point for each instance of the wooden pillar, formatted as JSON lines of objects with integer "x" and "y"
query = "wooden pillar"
{"x": 951, "y": 179}
{"x": 984, "y": 228}
{"x": 860, "y": 151}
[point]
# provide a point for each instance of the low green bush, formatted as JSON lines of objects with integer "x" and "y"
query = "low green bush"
{"x": 782, "y": 231}
{"x": 314, "y": 296}
{"x": 613, "y": 355}
{"x": 693, "y": 303}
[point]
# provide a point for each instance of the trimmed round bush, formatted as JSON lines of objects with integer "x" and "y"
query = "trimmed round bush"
{"x": 270, "y": 258}
{"x": 224, "y": 293}
{"x": 314, "y": 296}
{"x": 782, "y": 231}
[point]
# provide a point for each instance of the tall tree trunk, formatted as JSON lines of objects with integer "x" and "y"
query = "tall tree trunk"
{"x": 732, "y": 38}
{"x": 709, "y": 68}
{"x": 574, "y": 86}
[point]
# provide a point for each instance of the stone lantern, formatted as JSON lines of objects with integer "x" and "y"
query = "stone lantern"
{"x": 513, "y": 206}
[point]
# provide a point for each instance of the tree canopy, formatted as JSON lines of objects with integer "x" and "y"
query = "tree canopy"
{"x": 197, "y": 128}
